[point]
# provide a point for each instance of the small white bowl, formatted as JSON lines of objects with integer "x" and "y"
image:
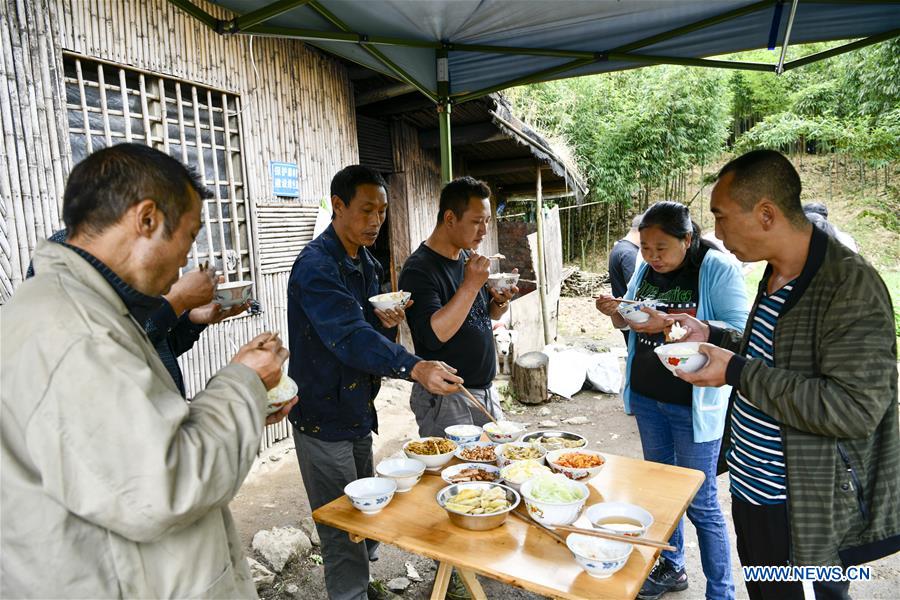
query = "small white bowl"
{"x": 232, "y": 293}
{"x": 405, "y": 471}
{"x": 570, "y": 472}
{"x": 502, "y": 281}
{"x": 452, "y": 470}
{"x": 371, "y": 494}
{"x": 458, "y": 452}
{"x": 390, "y": 300}
{"x": 503, "y": 460}
{"x": 604, "y": 510}
{"x": 683, "y": 355}
{"x": 542, "y": 470}
{"x": 598, "y": 557}
{"x": 433, "y": 462}
{"x": 463, "y": 434}
{"x": 499, "y": 436}
{"x": 553, "y": 513}
{"x": 281, "y": 394}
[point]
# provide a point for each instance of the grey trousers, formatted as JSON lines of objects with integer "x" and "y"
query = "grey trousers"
{"x": 433, "y": 413}
{"x": 326, "y": 467}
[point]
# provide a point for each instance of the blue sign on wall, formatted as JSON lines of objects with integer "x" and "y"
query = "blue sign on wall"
{"x": 285, "y": 179}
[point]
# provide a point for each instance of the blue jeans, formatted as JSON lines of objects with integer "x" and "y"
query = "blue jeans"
{"x": 667, "y": 437}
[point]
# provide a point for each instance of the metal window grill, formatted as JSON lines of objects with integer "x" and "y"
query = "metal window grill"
{"x": 109, "y": 104}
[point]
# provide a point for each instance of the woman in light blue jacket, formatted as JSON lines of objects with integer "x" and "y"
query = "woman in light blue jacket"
{"x": 680, "y": 424}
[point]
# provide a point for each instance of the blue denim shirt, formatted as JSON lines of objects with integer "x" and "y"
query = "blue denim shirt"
{"x": 339, "y": 350}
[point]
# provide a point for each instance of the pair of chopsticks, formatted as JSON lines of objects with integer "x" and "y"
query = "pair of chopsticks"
{"x": 478, "y": 404}
{"x": 640, "y": 541}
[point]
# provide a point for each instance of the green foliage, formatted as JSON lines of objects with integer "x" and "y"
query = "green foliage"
{"x": 635, "y": 129}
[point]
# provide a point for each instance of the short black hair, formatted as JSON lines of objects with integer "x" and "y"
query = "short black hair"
{"x": 103, "y": 186}
{"x": 456, "y": 195}
{"x": 345, "y": 181}
{"x": 765, "y": 174}
{"x": 815, "y": 208}
{"x": 674, "y": 218}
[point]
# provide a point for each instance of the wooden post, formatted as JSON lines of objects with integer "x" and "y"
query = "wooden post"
{"x": 529, "y": 378}
{"x": 541, "y": 271}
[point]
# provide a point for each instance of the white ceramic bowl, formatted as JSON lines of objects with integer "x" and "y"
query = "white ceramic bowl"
{"x": 683, "y": 355}
{"x": 232, "y": 293}
{"x": 405, "y": 471}
{"x": 553, "y": 513}
{"x": 390, "y": 300}
{"x": 371, "y": 494}
{"x": 463, "y": 434}
{"x": 452, "y": 470}
{"x": 458, "y": 452}
{"x": 281, "y": 394}
{"x": 433, "y": 462}
{"x": 477, "y": 522}
{"x": 498, "y": 436}
{"x": 517, "y": 485}
{"x": 502, "y": 281}
{"x": 604, "y": 510}
{"x": 570, "y": 472}
{"x": 567, "y": 435}
{"x": 598, "y": 557}
{"x": 503, "y": 460}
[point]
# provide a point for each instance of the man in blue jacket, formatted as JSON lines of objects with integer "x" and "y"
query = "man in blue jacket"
{"x": 343, "y": 347}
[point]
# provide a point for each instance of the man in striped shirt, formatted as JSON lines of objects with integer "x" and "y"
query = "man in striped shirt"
{"x": 811, "y": 442}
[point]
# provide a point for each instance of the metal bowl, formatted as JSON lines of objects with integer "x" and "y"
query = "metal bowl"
{"x": 554, "y": 433}
{"x": 477, "y": 522}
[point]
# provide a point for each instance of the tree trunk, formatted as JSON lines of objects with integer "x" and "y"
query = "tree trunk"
{"x": 529, "y": 378}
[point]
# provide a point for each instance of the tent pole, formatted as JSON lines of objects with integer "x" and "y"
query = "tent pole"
{"x": 442, "y": 65}
{"x": 542, "y": 271}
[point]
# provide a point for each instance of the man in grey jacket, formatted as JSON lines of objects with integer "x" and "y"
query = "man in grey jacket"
{"x": 112, "y": 485}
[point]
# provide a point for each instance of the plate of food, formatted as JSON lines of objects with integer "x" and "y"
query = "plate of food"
{"x": 469, "y": 472}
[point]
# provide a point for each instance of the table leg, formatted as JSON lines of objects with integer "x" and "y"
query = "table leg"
{"x": 471, "y": 583}
{"x": 441, "y": 581}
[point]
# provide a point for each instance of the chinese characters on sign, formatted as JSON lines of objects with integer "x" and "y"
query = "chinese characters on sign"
{"x": 285, "y": 179}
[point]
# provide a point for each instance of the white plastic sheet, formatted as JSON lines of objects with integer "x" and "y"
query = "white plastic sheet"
{"x": 569, "y": 368}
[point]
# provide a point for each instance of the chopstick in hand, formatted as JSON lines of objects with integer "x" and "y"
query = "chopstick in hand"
{"x": 472, "y": 399}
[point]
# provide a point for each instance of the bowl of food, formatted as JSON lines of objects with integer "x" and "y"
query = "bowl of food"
{"x": 513, "y": 451}
{"x": 390, "y": 300}
{"x": 685, "y": 356}
{"x": 619, "y": 517}
{"x": 228, "y": 295}
{"x": 470, "y": 472}
{"x": 463, "y": 434}
{"x": 435, "y": 452}
{"x": 598, "y": 557}
{"x": 502, "y": 281}
{"x": 477, "y": 452}
{"x": 477, "y": 506}
{"x": 518, "y": 472}
{"x": 554, "y": 499}
{"x": 503, "y": 431}
{"x": 632, "y": 311}
{"x": 576, "y": 463}
{"x": 405, "y": 471}
{"x": 554, "y": 440}
{"x": 370, "y": 494}
{"x": 281, "y": 394}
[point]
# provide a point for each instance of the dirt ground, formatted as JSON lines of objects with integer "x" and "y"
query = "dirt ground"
{"x": 273, "y": 494}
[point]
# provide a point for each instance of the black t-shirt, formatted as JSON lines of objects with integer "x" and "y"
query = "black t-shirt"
{"x": 432, "y": 280}
{"x": 680, "y": 291}
{"x": 621, "y": 266}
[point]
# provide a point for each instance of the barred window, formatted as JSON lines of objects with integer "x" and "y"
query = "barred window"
{"x": 108, "y": 104}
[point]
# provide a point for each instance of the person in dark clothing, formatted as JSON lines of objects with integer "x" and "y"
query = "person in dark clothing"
{"x": 621, "y": 263}
{"x": 176, "y": 319}
{"x": 451, "y": 318}
{"x": 342, "y": 348}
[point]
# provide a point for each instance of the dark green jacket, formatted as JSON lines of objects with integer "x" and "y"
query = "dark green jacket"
{"x": 833, "y": 389}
